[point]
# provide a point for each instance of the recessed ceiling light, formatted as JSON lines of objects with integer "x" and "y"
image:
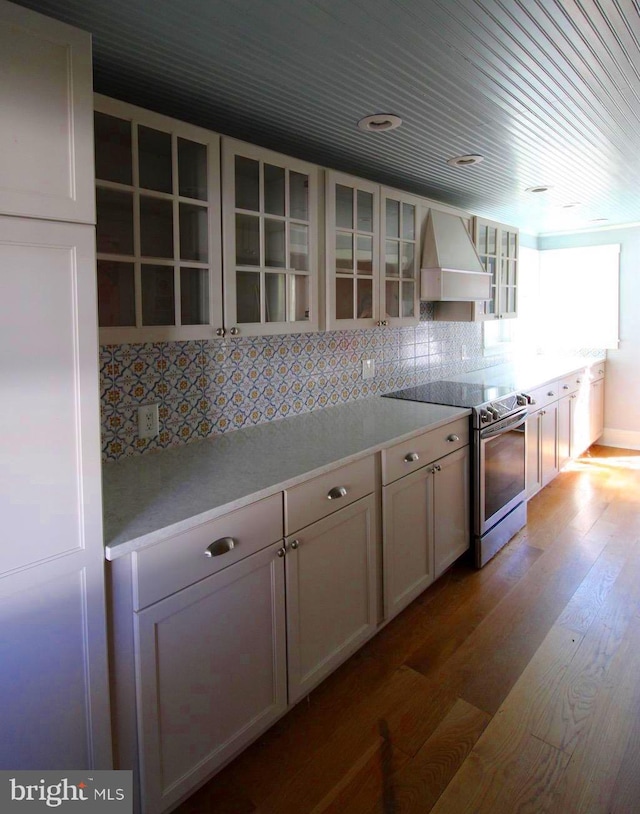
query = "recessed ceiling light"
{"x": 539, "y": 188}
{"x": 465, "y": 160}
{"x": 379, "y": 122}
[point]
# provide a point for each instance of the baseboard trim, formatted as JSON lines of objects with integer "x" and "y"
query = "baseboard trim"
{"x": 625, "y": 439}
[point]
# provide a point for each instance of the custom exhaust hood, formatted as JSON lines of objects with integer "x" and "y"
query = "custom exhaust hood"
{"x": 451, "y": 269}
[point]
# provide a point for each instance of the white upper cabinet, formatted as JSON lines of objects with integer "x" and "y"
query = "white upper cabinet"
{"x": 497, "y": 246}
{"x": 270, "y": 228}
{"x": 46, "y": 152}
{"x": 352, "y": 252}
{"x": 402, "y": 218}
{"x": 158, "y": 226}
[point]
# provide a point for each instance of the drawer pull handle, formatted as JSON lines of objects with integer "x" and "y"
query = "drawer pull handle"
{"x": 453, "y": 438}
{"x": 551, "y": 393}
{"x": 337, "y": 492}
{"x": 411, "y": 457}
{"x": 219, "y": 547}
{"x": 578, "y": 381}
{"x": 565, "y": 386}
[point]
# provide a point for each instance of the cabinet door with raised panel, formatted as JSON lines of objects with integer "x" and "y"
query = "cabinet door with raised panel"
{"x": 452, "y": 529}
{"x": 352, "y": 252}
{"x": 158, "y": 226}
{"x": 401, "y": 221}
{"x": 565, "y": 423}
{"x": 549, "y": 442}
{"x": 46, "y": 155}
{"x": 533, "y": 432}
{"x": 407, "y": 507}
{"x": 211, "y": 674}
{"x": 331, "y": 579}
{"x": 596, "y": 410}
{"x": 270, "y": 241}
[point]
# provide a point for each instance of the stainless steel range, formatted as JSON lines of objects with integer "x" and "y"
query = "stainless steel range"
{"x": 498, "y": 417}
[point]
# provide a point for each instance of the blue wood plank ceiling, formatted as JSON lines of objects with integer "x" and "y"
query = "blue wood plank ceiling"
{"x": 547, "y": 91}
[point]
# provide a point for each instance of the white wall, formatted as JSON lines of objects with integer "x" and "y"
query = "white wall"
{"x": 622, "y": 392}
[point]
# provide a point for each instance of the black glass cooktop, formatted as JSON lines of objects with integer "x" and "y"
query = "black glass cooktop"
{"x": 453, "y": 394}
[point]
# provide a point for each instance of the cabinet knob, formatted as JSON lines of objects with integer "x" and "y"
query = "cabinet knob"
{"x": 453, "y": 438}
{"x": 565, "y": 386}
{"x": 337, "y": 492}
{"x": 382, "y": 323}
{"x": 294, "y": 544}
{"x": 220, "y": 332}
{"x": 234, "y": 331}
{"x": 281, "y": 552}
{"x": 436, "y": 468}
{"x": 551, "y": 393}
{"x": 411, "y": 457}
{"x": 219, "y": 547}
{"x": 578, "y": 381}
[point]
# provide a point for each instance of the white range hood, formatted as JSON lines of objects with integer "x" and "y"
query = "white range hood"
{"x": 451, "y": 268}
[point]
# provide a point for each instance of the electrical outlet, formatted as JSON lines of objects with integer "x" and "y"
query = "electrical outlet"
{"x": 148, "y": 425}
{"x": 368, "y": 368}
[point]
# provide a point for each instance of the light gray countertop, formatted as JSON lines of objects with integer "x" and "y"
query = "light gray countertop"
{"x": 152, "y": 497}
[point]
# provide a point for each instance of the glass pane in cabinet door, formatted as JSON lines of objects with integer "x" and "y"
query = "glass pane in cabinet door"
{"x": 365, "y": 211}
{"x": 511, "y": 303}
{"x": 490, "y": 266}
{"x": 393, "y": 218}
{"x": 365, "y": 299}
{"x": 114, "y": 228}
{"x": 344, "y": 207}
{"x": 365, "y": 255}
{"x": 247, "y": 240}
{"x": 344, "y": 252}
{"x": 344, "y": 298}
{"x": 154, "y": 159}
{"x": 275, "y": 299}
{"x": 247, "y": 179}
{"x": 512, "y": 244}
{"x": 392, "y": 298}
{"x": 408, "y": 260}
{"x": 492, "y": 240}
{"x": 273, "y": 190}
{"x": 192, "y": 169}
{"x": 193, "y": 233}
{"x": 113, "y": 149}
{"x": 274, "y": 250}
{"x": 156, "y": 227}
{"x": 392, "y": 258}
{"x": 299, "y": 247}
{"x": 408, "y": 221}
{"x": 298, "y": 297}
{"x": 194, "y": 296}
{"x": 298, "y": 195}
{"x": 408, "y": 301}
{"x": 248, "y": 296}
{"x": 505, "y": 244}
{"x": 116, "y": 294}
{"x": 158, "y": 303}
{"x": 482, "y": 240}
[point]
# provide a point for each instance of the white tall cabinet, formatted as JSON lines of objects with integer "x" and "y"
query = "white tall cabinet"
{"x": 54, "y": 679}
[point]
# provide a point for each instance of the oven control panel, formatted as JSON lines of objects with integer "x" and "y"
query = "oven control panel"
{"x": 496, "y": 410}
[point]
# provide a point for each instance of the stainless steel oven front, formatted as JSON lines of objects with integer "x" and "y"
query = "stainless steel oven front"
{"x": 500, "y": 485}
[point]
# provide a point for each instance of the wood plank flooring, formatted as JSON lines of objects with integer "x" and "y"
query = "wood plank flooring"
{"x": 511, "y": 689}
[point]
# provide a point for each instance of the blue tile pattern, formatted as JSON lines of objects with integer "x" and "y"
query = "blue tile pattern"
{"x": 205, "y": 388}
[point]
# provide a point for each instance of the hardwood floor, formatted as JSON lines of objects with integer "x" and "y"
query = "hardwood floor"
{"x": 511, "y": 689}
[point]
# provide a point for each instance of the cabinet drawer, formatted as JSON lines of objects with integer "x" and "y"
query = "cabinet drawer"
{"x": 408, "y": 456}
{"x": 163, "y": 569}
{"x": 544, "y": 395}
{"x": 571, "y": 383}
{"x": 321, "y": 496}
{"x": 596, "y": 372}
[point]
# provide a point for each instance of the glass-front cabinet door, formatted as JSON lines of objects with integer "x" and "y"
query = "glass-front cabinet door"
{"x": 497, "y": 245}
{"x": 352, "y": 252}
{"x": 270, "y": 241}
{"x": 401, "y": 224}
{"x": 158, "y": 226}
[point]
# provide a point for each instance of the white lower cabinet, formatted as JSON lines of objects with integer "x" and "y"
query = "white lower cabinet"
{"x": 331, "y": 589}
{"x": 542, "y": 448}
{"x": 426, "y": 521}
{"x": 211, "y": 674}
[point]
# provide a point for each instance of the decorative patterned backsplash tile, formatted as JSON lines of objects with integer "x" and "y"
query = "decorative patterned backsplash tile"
{"x": 204, "y": 388}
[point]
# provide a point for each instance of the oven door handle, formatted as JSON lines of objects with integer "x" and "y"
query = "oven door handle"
{"x": 507, "y": 424}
